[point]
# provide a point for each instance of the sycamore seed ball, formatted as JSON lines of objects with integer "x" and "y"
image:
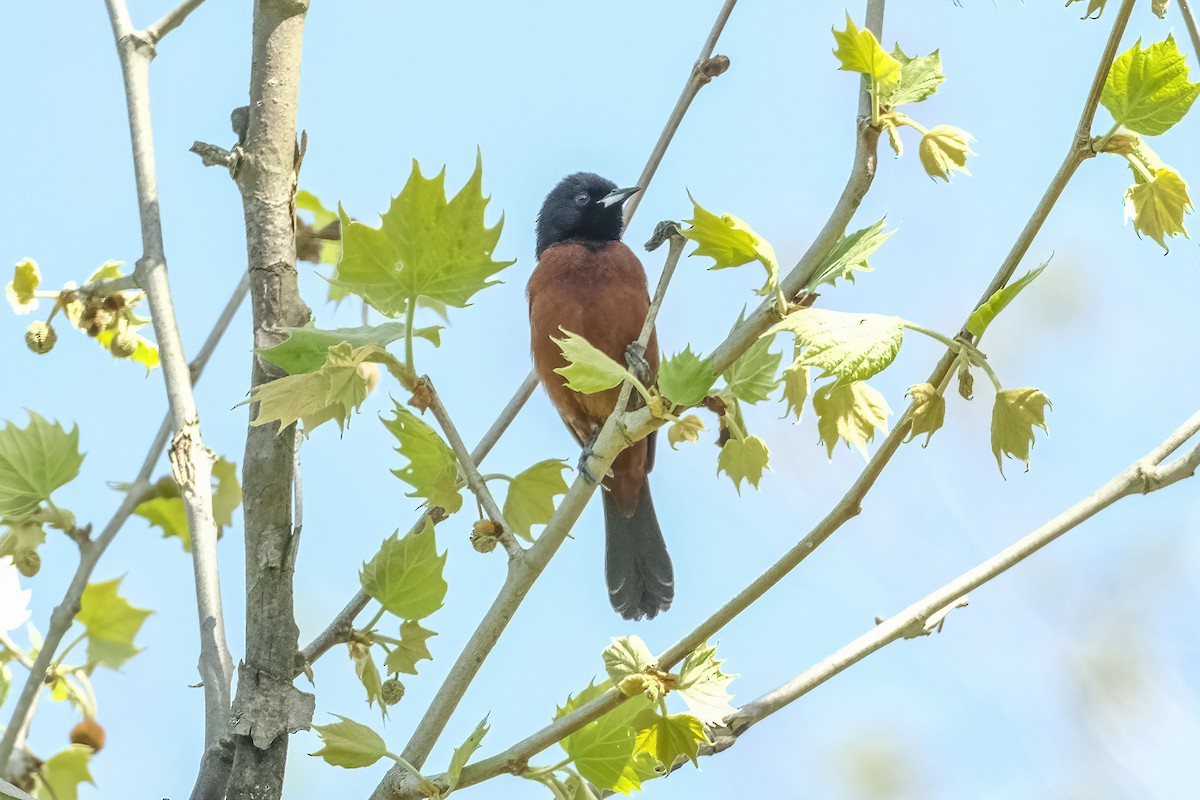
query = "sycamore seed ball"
{"x": 124, "y": 344}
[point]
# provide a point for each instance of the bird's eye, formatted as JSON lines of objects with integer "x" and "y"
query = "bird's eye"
{"x": 582, "y": 199}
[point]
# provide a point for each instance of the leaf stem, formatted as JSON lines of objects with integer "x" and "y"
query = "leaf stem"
{"x": 1137, "y": 164}
{"x": 408, "y": 332}
{"x": 63, "y": 655}
{"x": 375, "y": 619}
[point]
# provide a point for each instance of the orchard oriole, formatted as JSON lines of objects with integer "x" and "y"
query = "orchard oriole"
{"x": 589, "y": 283}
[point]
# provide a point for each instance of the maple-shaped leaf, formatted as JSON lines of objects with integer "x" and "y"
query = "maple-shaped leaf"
{"x": 405, "y": 576}
{"x": 412, "y": 648}
{"x": 797, "y": 385}
{"x": 306, "y": 349}
{"x": 530, "y": 498}
{"x": 20, "y": 290}
{"x": 349, "y": 744}
{"x": 851, "y": 412}
{"x": 920, "y": 77}
{"x": 426, "y": 246}
{"x": 668, "y": 737}
{"x": 462, "y": 754}
{"x": 35, "y": 461}
{"x": 686, "y": 429}
{"x": 111, "y": 623}
{"x": 743, "y": 459}
{"x": 335, "y": 391}
{"x": 944, "y": 150}
{"x": 432, "y": 469}
{"x": 685, "y": 378}
{"x": 1014, "y": 416}
{"x": 165, "y": 510}
{"x": 1157, "y": 205}
{"x": 703, "y": 685}
{"x": 626, "y": 655}
{"x": 850, "y": 255}
{"x": 929, "y": 411}
{"x": 850, "y": 347}
{"x": 1147, "y": 90}
{"x": 589, "y": 370}
{"x": 604, "y": 751}
{"x": 859, "y": 51}
{"x": 730, "y": 242}
{"x": 751, "y": 377}
{"x": 60, "y": 776}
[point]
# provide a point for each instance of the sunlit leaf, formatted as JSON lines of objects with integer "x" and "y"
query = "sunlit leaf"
{"x": 859, "y": 51}
{"x": 850, "y": 347}
{"x": 349, "y": 744}
{"x": 1157, "y": 206}
{"x": 111, "y": 623}
{"x": 20, "y": 290}
{"x": 530, "y": 498}
{"x": 412, "y": 648}
{"x": 685, "y": 378}
{"x": 743, "y": 460}
{"x": 432, "y": 469}
{"x": 405, "y": 576}
{"x": 851, "y": 412}
{"x": 704, "y": 686}
{"x": 1014, "y": 416}
{"x": 462, "y": 754}
{"x": 1147, "y": 90}
{"x": 307, "y": 348}
{"x": 35, "y": 461}
{"x": 981, "y": 317}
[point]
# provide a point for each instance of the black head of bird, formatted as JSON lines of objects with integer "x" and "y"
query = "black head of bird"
{"x": 582, "y": 206}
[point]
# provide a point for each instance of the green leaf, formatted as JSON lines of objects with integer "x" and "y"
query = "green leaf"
{"x": 1157, "y": 206}
{"x": 752, "y": 376}
{"x": 367, "y": 672}
{"x": 1094, "y": 8}
{"x": 850, "y": 254}
{"x": 625, "y": 656}
{"x": 166, "y": 511}
{"x": 462, "y": 754}
{"x": 227, "y": 492}
{"x": 63, "y": 772}
{"x": 944, "y": 150}
{"x": 424, "y": 247}
{"x": 982, "y": 317}
{"x": 111, "y": 623}
{"x": 703, "y": 685}
{"x": 405, "y": 576}
{"x": 335, "y": 391}
{"x": 685, "y": 378}
{"x": 19, "y": 291}
{"x": 588, "y": 369}
{"x": 797, "y": 385}
{"x": 530, "y": 498}
{"x": 319, "y": 250}
{"x": 929, "y": 411}
{"x": 412, "y": 648}
{"x": 1148, "y": 90}
{"x": 859, "y": 51}
{"x": 5, "y": 681}
{"x": 349, "y": 744}
{"x": 666, "y": 738}
{"x": 604, "y": 750}
{"x": 21, "y": 541}
{"x": 306, "y": 349}
{"x": 730, "y": 242}
{"x": 1014, "y": 415}
{"x": 687, "y": 429}
{"x": 743, "y": 459}
{"x": 851, "y": 412}
{"x": 34, "y": 461}
{"x": 850, "y": 347}
{"x": 920, "y": 77}
{"x": 145, "y": 351}
{"x": 432, "y": 469}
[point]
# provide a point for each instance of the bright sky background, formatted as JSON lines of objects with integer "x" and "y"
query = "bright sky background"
{"x": 1071, "y": 677}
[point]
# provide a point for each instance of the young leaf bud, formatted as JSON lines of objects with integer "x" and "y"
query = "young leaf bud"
{"x": 966, "y": 382}
{"x": 40, "y": 337}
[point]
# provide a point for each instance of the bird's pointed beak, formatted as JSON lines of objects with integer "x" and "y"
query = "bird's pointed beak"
{"x": 618, "y": 196}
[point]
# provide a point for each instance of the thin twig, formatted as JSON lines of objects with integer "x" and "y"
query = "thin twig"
{"x": 470, "y": 472}
{"x": 1189, "y": 21}
{"x": 172, "y": 20}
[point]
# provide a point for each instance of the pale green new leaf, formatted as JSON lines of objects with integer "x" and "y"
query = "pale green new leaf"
{"x": 920, "y": 77}
{"x": 349, "y": 744}
{"x": 306, "y": 349}
{"x": 625, "y": 656}
{"x": 604, "y": 750}
{"x": 63, "y": 772}
{"x": 1014, "y": 416}
{"x": 730, "y": 242}
{"x": 1148, "y": 90}
{"x": 462, "y": 754}
{"x": 666, "y": 738}
{"x": 20, "y": 290}
{"x": 850, "y": 347}
{"x": 166, "y": 511}
{"x": 743, "y": 459}
{"x": 412, "y": 648}
{"x": 929, "y": 411}
{"x": 1094, "y": 8}
{"x": 850, "y": 255}
{"x": 751, "y": 377}
{"x": 530, "y": 498}
{"x": 111, "y": 623}
{"x": 703, "y": 685}
{"x": 797, "y": 385}
{"x": 981, "y": 317}
{"x": 335, "y": 391}
{"x": 405, "y": 576}
{"x": 35, "y": 461}
{"x": 687, "y": 429}
{"x": 685, "y": 378}
{"x": 367, "y": 672}
{"x": 424, "y": 247}
{"x": 432, "y": 469}
{"x": 859, "y": 51}
{"x": 588, "y": 369}
{"x": 851, "y": 412}
{"x": 1157, "y": 206}
{"x": 944, "y": 150}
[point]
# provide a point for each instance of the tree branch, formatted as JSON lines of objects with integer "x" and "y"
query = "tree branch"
{"x": 1189, "y": 20}
{"x": 172, "y": 20}
{"x": 268, "y": 706}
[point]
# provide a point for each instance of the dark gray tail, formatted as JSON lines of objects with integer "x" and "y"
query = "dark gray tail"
{"x": 641, "y": 582}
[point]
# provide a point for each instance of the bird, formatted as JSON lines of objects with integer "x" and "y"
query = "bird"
{"x": 588, "y": 282}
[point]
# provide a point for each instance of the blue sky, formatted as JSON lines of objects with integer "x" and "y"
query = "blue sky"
{"x": 1073, "y": 676}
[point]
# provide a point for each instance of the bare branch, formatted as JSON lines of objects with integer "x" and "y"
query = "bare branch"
{"x": 1189, "y": 20}
{"x": 172, "y": 20}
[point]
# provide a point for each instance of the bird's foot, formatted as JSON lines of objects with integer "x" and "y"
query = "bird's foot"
{"x": 585, "y": 459}
{"x": 635, "y": 359}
